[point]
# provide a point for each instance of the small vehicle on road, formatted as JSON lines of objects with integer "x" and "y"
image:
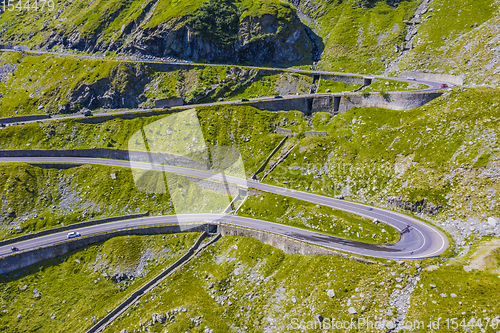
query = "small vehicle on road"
{"x": 14, "y": 249}
{"x": 73, "y": 234}
{"x": 88, "y": 113}
{"x": 17, "y": 48}
{"x": 245, "y": 100}
{"x": 167, "y": 107}
{"x": 411, "y": 78}
{"x": 444, "y": 85}
{"x": 278, "y": 96}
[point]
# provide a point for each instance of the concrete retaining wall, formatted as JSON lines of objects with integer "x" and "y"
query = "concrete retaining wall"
{"x": 336, "y": 103}
{"x": 286, "y": 244}
{"x": 23, "y": 119}
{"x": 285, "y": 131}
{"x": 393, "y": 101}
{"x": 115, "y": 154}
{"x": 445, "y": 78}
{"x": 263, "y": 166}
{"x": 286, "y": 104}
{"x": 176, "y": 101}
{"x": 108, "y": 319}
{"x": 347, "y": 79}
{"x": 70, "y": 227}
{"x": 26, "y": 258}
{"x": 316, "y": 133}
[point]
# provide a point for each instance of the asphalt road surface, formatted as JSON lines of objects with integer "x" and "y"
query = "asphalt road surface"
{"x": 432, "y": 86}
{"x": 418, "y": 239}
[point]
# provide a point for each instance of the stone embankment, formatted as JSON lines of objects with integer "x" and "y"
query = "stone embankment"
{"x": 29, "y": 257}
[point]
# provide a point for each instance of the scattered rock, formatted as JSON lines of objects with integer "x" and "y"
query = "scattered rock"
{"x": 431, "y": 268}
{"x": 453, "y": 295}
{"x": 36, "y": 293}
{"x": 493, "y": 221}
{"x": 433, "y": 285}
{"x": 352, "y": 310}
{"x": 113, "y": 176}
{"x": 119, "y": 277}
{"x": 330, "y": 293}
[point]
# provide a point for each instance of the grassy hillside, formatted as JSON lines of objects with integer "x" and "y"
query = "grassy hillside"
{"x": 459, "y": 38}
{"x": 36, "y": 198}
{"x": 353, "y": 35}
{"x": 106, "y": 19}
{"x": 302, "y": 214}
{"x": 241, "y": 284}
{"x": 77, "y": 289}
{"x": 249, "y": 129}
{"x": 465, "y": 289}
{"x": 358, "y": 38}
{"x": 51, "y": 84}
{"x": 441, "y": 159}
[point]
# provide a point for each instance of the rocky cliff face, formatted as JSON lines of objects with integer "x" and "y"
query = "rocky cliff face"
{"x": 261, "y": 40}
{"x": 122, "y": 89}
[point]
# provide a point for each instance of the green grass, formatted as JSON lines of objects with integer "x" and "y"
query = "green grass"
{"x": 280, "y": 84}
{"x": 359, "y": 40}
{"x": 46, "y": 81}
{"x": 370, "y": 155}
{"x": 262, "y": 287}
{"x": 373, "y": 154}
{"x": 335, "y": 86}
{"x": 305, "y": 215}
{"x": 106, "y": 20}
{"x": 46, "y": 198}
{"x": 50, "y": 82}
{"x": 477, "y": 295}
{"x": 461, "y": 45}
{"x": 73, "y": 287}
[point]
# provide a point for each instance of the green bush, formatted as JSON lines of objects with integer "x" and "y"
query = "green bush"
{"x": 216, "y": 21}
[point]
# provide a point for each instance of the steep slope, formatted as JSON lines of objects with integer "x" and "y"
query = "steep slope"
{"x": 441, "y": 36}
{"x": 440, "y": 161}
{"x": 68, "y": 293}
{"x": 266, "y": 32}
{"x": 358, "y": 36}
{"x": 458, "y": 38}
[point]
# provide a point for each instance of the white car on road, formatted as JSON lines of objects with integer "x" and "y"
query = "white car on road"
{"x": 73, "y": 234}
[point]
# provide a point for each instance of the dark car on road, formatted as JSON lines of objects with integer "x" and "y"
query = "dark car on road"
{"x": 278, "y": 96}
{"x": 14, "y": 249}
{"x": 444, "y": 85}
{"x": 245, "y": 100}
{"x": 167, "y": 107}
{"x": 88, "y": 113}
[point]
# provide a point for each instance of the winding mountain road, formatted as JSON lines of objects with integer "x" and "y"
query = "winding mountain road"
{"x": 432, "y": 86}
{"x": 419, "y": 240}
